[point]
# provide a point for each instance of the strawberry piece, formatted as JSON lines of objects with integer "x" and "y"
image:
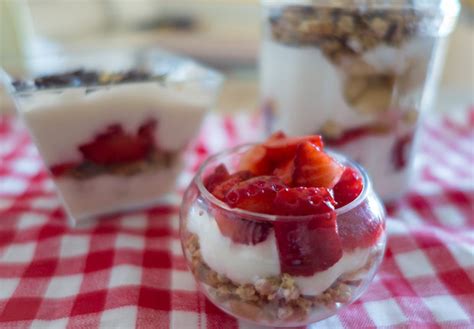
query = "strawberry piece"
{"x": 219, "y": 175}
{"x": 254, "y": 160}
{"x": 285, "y": 172}
{"x": 276, "y": 151}
{"x": 116, "y": 146}
{"x": 302, "y": 201}
{"x": 360, "y": 228}
{"x": 255, "y": 194}
{"x": 306, "y": 246}
{"x": 220, "y": 190}
{"x": 348, "y": 188}
{"x": 282, "y": 149}
{"x": 241, "y": 230}
{"x": 314, "y": 168}
{"x": 62, "y": 168}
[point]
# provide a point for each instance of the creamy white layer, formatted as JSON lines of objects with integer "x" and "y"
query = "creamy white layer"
{"x": 247, "y": 263}
{"x": 108, "y": 193}
{"x": 59, "y": 122}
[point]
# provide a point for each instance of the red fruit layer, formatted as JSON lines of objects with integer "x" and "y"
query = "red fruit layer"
{"x": 219, "y": 175}
{"x": 241, "y": 230}
{"x": 255, "y": 194}
{"x": 359, "y": 228}
{"x": 276, "y": 151}
{"x": 314, "y": 168}
{"x": 220, "y": 190}
{"x": 303, "y": 201}
{"x": 114, "y": 145}
{"x": 348, "y": 188}
{"x": 308, "y": 246}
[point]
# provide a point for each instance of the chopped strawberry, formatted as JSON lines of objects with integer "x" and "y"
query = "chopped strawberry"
{"x": 285, "y": 172}
{"x": 116, "y": 146}
{"x": 314, "y": 168}
{"x": 255, "y": 194}
{"x": 219, "y": 175}
{"x": 241, "y": 230}
{"x": 360, "y": 229}
{"x": 254, "y": 160}
{"x": 302, "y": 201}
{"x": 62, "y": 168}
{"x": 276, "y": 151}
{"x": 306, "y": 246}
{"x": 348, "y": 188}
{"x": 283, "y": 149}
{"x": 220, "y": 190}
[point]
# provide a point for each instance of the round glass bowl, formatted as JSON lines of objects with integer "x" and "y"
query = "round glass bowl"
{"x": 246, "y": 278}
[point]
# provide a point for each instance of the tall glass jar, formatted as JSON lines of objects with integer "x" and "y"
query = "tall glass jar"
{"x": 359, "y": 72}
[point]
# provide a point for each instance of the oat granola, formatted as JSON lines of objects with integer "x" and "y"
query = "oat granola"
{"x": 275, "y": 298}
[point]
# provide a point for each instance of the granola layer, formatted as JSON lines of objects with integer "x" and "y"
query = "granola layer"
{"x": 343, "y": 31}
{"x": 272, "y": 299}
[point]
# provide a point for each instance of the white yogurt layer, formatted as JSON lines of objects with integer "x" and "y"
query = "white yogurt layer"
{"x": 247, "y": 263}
{"x": 109, "y": 193}
{"x": 60, "y": 122}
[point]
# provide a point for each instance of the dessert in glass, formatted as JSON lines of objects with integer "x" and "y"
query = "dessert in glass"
{"x": 358, "y": 72}
{"x": 282, "y": 233}
{"x": 111, "y": 126}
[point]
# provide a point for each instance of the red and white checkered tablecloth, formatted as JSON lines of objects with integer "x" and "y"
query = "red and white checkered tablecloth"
{"x": 128, "y": 271}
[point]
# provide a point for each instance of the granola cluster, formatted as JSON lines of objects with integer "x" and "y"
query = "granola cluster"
{"x": 343, "y": 32}
{"x": 271, "y": 299}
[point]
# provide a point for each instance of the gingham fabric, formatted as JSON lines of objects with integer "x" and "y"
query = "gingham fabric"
{"x": 128, "y": 271}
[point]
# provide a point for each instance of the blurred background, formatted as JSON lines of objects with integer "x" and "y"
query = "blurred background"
{"x": 223, "y": 34}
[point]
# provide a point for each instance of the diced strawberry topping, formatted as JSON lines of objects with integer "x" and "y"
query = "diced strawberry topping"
{"x": 285, "y": 171}
{"x": 241, "y": 230}
{"x": 254, "y": 160}
{"x": 308, "y": 246}
{"x": 220, "y": 190}
{"x": 348, "y": 188}
{"x": 360, "y": 231}
{"x": 219, "y": 175}
{"x": 114, "y": 145}
{"x": 255, "y": 194}
{"x": 314, "y": 168}
{"x": 302, "y": 201}
{"x": 276, "y": 151}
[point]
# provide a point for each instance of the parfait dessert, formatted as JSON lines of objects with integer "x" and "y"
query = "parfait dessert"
{"x": 282, "y": 233}
{"x": 112, "y": 139}
{"x": 358, "y": 72}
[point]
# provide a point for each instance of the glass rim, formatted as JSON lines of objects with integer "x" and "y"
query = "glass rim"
{"x": 198, "y": 179}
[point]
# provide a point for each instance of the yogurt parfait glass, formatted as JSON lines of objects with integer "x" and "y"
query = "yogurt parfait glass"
{"x": 111, "y": 125}
{"x": 359, "y": 72}
{"x": 262, "y": 276}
